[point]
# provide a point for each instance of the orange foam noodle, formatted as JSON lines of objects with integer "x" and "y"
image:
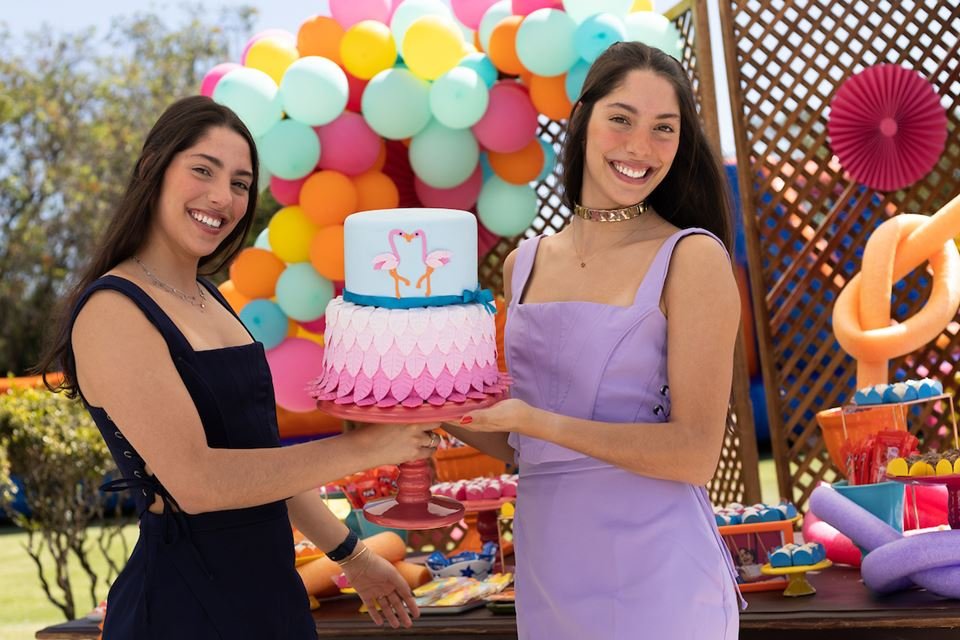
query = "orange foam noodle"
{"x": 318, "y": 575}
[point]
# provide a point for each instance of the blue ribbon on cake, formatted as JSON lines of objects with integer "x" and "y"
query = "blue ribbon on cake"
{"x": 479, "y": 296}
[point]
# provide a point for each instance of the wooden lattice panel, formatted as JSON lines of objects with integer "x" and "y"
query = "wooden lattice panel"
{"x": 736, "y": 478}
{"x": 807, "y": 221}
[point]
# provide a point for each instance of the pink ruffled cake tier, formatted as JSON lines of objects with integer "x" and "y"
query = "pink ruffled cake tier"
{"x": 408, "y": 357}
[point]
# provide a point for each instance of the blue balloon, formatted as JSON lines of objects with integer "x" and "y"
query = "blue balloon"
{"x": 444, "y": 157}
{"x": 544, "y": 42}
{"x": 396, "y": 104}
{"x": 303, "y": 293}
{"x": 549, "y": 160}
{"x": 575, "y": 78}
{"x": 266, "y": 321}
{"x": 459, "y": 98}
{"x": 481, "y": 63}
{"x": 506, "y": 209}
{"x": 314, "y": 90}
{"x": 253, "y": 96}
{"x": 290, "y": 150}
{"x": 485, "y": 167}
{"x": 596, "y": 33}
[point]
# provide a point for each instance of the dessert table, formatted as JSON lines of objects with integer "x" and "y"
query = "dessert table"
{"x": 841, "y": 609}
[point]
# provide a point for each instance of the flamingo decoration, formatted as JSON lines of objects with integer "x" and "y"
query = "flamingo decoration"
{"x": 391, "y": 261}
{"x": 433, "y": 260}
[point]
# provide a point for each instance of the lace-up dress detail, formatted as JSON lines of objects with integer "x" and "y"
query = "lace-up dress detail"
{"x": 223, "y": 574}
{"x": 603, "y": 552}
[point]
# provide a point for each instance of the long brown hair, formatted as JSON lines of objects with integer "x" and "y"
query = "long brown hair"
{"x": 178, "y": 128}
{"x": 694, "y": 192}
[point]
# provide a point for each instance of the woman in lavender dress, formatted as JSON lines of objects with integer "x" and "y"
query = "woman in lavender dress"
{"x": 620, "y": 338}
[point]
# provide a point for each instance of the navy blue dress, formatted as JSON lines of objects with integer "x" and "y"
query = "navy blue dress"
{"x": 223, "y": 574}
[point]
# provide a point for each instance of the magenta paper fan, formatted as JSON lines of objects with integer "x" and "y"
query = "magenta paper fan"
{"x": 887, "y": 127}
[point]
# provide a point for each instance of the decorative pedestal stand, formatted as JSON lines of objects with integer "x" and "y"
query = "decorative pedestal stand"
{"x": 798, "y": 584}
{"x": 413, "y": 507}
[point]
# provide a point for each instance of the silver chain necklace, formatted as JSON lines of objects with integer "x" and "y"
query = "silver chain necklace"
{"x": 197, "y": 301}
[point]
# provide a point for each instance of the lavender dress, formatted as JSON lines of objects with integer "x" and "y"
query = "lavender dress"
{"x": 603, "y": 552}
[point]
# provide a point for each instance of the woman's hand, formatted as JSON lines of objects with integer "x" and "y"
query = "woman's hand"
{"x": 393, "y": 444}
{"x": 381, "y": 587}
{"x": 509, "y": 415}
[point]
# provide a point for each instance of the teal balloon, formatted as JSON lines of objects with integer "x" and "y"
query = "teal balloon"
{"x": 302, "y": 293}
{"x": 545, "y": 42}
{"x": 408, "y": 11}
{"x": 506, "y": 209}
{"x": 459, "y": 98}
{"x": 253, "y": 96}
{"x": 491, "y": 18}
{"x": 580, "y": 10}
{"x": 596, "y": 33}
{"x": 549, "y": 160}
{"x": 485, "y": 169}
{"x": 290, "y": 150}
{"x": 575, "y": 78}
{"x": 265, "y": 321}
{"x": 263, "y": 240}
{"x": 314, "y": 90}
{"x": 483, "y": 65}
{"x": 442, "y": 157}
{"x": 396, "y": 104}
{"x": 654, "y": 30}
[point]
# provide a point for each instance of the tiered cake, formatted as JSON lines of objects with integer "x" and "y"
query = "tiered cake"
{"x": 412, "y": 326}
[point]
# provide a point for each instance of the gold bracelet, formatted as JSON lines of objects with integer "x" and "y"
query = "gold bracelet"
{"x": 344, "y": 563}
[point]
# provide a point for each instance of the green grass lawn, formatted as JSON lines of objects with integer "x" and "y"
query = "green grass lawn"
{"x": 24, "y": 609}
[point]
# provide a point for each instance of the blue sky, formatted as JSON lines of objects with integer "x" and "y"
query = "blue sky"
{"x": 71, "y": 15}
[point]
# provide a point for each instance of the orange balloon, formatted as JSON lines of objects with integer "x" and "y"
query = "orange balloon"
{"x": 326, "y": 252}
{"x": 519, "y": 167}
{"x": 375, "y": 190}
{"x": 328, "y": 197}
{"x": 255, "y": 273}
{"x": 381, "y": 161}
{"x": 503, "y": 46}
{"x": 236, "y": 299}
{"x": 526, "y": 78}
{"x": 320, "y": 36}
{"x": 549, "y": 96}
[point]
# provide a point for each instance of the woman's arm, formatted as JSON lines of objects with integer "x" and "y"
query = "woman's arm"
{"x": 703, "y": 312}
{"x": 377, "y": 581}
{"x": 124, "y": 366}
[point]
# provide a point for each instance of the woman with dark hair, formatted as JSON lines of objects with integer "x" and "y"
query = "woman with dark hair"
{"x": 183, "y": 397}
{"x": 620, "y": 337}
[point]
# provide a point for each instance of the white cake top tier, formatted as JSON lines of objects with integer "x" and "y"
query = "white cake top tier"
{"x": 409, "y": 254}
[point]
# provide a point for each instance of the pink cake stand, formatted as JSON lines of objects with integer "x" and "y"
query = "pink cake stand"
{"x": 953, "y": 492}
{"x": 414, "y": 507}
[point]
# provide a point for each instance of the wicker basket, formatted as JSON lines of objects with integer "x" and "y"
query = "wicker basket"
{"x": 464, "y": 463}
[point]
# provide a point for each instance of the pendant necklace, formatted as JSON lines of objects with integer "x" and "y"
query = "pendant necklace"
{"x": 197, "y": 301}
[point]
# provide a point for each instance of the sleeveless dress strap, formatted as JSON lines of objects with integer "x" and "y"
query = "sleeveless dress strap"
{"x": 176, "y": 341}
{"x": 523, "y": 267}
{"x": 651, "y": 288}
{"x": 219, "y": 297}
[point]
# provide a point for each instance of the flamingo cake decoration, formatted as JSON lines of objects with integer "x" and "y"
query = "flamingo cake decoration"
{"x": 390, "y": 262}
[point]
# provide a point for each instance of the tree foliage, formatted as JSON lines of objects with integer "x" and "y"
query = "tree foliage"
{"x": 74, "y": 109}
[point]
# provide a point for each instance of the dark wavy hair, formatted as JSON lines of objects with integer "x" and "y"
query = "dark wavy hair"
{"x": 694, "y": 192}
{"x": 179, "y": 127}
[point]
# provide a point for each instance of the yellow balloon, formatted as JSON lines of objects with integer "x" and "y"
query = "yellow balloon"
{"x": 272, "y": 56}
{"x": 432, "y": 46}
{"x": 367, "y": 48}
{"x": 315, "y": 337}
{"x": 290, "y": 232}
{"x": 641, "y": 5}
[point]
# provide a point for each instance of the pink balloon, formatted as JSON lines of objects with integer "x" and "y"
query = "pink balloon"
{"x": 286, "y": 192}
{"x": 393, "y": 7}
{"x": 510, "y": 122}
{"x": 281, "y": 34}
{"x": 348, "y": 144}
{"x": 315, "y": 326}
{"x": 294, "y": 363}
{"x": 209, "y": 82}
{"x": 462, "y": 196}
{"x": 469, "y": 12}
{"x": 526, "y": 7}
{"x": 350, "y": 12}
